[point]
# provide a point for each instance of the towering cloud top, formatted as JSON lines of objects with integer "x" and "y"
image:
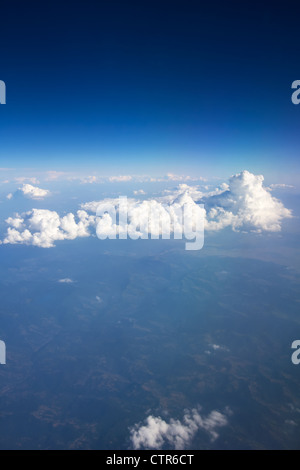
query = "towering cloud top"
{"x": 246, "y": 204}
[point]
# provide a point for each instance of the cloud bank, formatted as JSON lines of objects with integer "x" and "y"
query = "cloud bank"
{"x": 157, "y": 433}
{"x": 242, "y": 204}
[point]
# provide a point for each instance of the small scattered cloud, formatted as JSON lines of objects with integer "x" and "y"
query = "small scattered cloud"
{"x": 139, "y": 192}
{"x": 218, "y": 347}
{"x": 67, "y": 280}
{"x": 156, "y": 433}
{"x": 9, "y": 196}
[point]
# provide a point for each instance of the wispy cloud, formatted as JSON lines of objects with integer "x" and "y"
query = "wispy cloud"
{"x": 281, "y": 186}
{"x": 26, "y": 179}
{"x": 139, "y": 192}
{"x": 89, "y": 180}
{"x": 122, "y": 178}
{"x": 172, "y": 177}
{"x": 53, "y": 175}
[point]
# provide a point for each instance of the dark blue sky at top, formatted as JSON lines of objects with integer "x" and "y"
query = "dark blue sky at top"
{"x": 150, "y": 86}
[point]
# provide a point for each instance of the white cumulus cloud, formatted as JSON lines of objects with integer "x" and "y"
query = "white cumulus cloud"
{"x": 43, "y": 228}
{"x": 33, "y": 192}
{"x": 157, "y": 433}
{"x": 245, "y": 205}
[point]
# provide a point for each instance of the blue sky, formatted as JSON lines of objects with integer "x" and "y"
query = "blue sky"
{"x": 150, "y": 87}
